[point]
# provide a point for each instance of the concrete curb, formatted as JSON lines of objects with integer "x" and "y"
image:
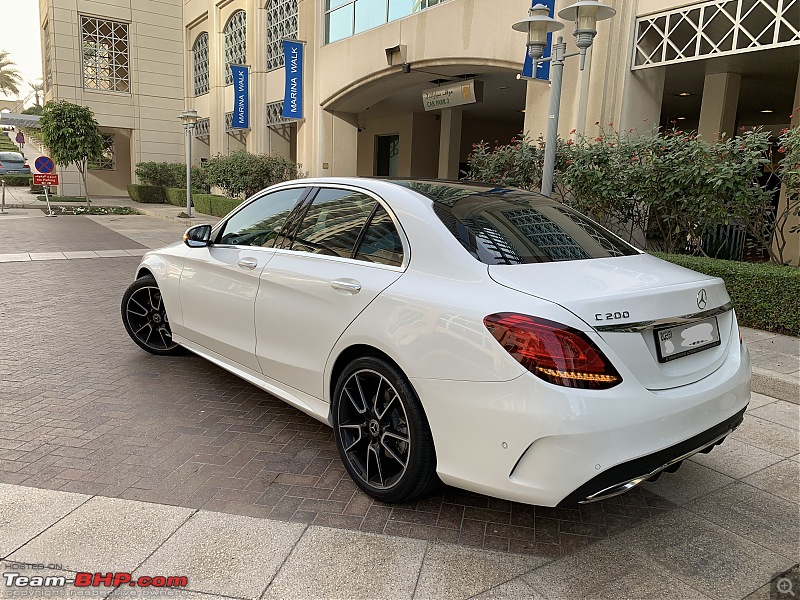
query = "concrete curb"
{"x": 777, "y": 385}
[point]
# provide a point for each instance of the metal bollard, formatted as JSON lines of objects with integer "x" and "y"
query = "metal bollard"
{"x": 49, "y": 212}
{"x": 3, "y": 201}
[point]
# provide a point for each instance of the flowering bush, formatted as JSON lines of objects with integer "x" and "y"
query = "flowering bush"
{"x": 674, "y": 187}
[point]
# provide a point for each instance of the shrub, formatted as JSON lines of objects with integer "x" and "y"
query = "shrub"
{"x": 678, "y": 188}
{"x": 218, "y": 206}
{"x": 177, "y": 196}
{"x": 243, "y": 174}
{"x": 147, "y": 194}
{"x": 17, "y": 180}
{"x": 764, "y": 296}
{"x": 165, "y": 174}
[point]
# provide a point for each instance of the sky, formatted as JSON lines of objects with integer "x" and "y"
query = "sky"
{"x": 20, "y": 36}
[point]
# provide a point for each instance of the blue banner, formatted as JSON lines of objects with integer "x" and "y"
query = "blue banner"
{"x": 543, "y": 68}
{"x": 293, "y": 93}
{"x": 241, "y": 97}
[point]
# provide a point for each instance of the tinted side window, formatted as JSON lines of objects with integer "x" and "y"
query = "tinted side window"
{"x": 259, "y": 223}
{"x": 381, "y": 243}
{"x": 333, "y": 223}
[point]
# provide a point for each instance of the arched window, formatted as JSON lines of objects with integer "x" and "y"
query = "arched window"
{"x": 281, "y": 23}
{"x": 200, "y": 52}
{"x": 235, "y": 34}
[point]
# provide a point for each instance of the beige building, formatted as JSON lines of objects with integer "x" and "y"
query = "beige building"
{"x": 715, "y": 66}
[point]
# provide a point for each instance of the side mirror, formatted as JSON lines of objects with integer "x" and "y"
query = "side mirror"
{"x": 198, "y": 236}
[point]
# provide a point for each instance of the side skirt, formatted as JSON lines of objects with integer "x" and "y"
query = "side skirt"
{"x": 314, "y": 407}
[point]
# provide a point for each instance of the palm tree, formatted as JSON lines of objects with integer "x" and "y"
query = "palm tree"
{"x": 9, "y": 75}
{"x": 37, "y": 89}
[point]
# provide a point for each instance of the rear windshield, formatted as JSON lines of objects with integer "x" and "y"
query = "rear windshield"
{"x": 502, "y": 226}
{"x": 11, "y": 156}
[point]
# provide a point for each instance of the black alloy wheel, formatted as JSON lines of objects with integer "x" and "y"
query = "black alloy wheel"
{"x": 145, "y": 317}
{"x": 382, "y": 433}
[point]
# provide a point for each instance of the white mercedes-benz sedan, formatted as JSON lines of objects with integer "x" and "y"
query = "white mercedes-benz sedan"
{"x": 487, "y": 337}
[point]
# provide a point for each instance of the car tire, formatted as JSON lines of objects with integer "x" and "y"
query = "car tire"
{"x": 145, "y": 318}
{"x": 382, "y": 433}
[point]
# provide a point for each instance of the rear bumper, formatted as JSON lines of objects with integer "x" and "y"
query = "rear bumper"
{"x": 624, "y": 477}
{"x": 532, "y": 442}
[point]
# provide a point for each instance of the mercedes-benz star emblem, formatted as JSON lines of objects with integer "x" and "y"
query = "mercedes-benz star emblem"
{"x": 702, "y": 299}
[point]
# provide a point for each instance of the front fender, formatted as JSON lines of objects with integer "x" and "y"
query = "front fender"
{"x": 166, "y": 266}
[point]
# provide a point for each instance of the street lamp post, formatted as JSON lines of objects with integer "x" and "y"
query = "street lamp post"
{"x": 189, "y": 119}
{"x": 585, "y": 15}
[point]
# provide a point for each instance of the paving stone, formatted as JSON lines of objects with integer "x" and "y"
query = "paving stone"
{"x": 780, "y": 412}
{"x": 755, "y": 515}
{"x": 81, "y": 254}
{"x": 690, "y": 481}
{"x": 781, "y": 479}
{"x": 515, "y": 589}
{"x": 16, "y": 257}
{"x": 104, "y": 534}
{"x": 606, "y": 570}
{"x": 757, "y": 400}
{"x": 705, "y": 556}
{"x": 452, "y": 572}
{"x": 225, "y": 554}
{"x": 26, "y": 512}
{"x": 47, "y": 256}
{"x": 329, "y": 563}
{"x": 736, "y": 459}
{"x": 768, "y": 436}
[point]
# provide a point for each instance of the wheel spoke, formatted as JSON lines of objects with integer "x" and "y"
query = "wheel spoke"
{"x": 375, "y": 399}
{"x": 361, "y": 410}
{"x": 392, "y": 434}
{"x": 161, "y": 335}
{"x": 144, "y": 308}
{"x": 358, "y": 439}
{"x": 136, "y": 333}
{"x": 388, "y": 404}
{"x": 374, "y": 451}
{"x": 393, "y": 454}
{"x": 360, "y": 391}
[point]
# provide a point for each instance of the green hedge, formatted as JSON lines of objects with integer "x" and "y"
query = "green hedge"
{"x": 218, "y": 206}
{"x": 177, "y": 196}
{"x": 17, "y": 180}
{"x": 764, "y": 296}
{"x": 147, "y": 194}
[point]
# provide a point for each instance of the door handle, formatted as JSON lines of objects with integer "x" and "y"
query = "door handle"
{"x": 248, "y": 263}
{"x": 348, "y": 285}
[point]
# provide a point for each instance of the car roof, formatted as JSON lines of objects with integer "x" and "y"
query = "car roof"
{"x": 441, "y": 191}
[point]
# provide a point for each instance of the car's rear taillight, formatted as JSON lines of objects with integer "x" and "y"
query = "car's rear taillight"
{"x": 553, "y": 351}
{"x": 25, "y": 166}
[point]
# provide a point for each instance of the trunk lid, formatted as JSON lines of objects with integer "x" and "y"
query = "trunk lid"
{"x": 641, "y": 292}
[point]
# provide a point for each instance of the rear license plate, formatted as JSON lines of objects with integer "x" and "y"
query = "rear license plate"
{"x": 682, "y": 340}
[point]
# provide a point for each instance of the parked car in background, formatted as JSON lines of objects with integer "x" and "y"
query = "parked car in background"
{"x": 13, "y": 163}
{"x": 486, "y": 336}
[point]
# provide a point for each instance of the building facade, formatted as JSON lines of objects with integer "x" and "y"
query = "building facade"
{"x": 714, "y": 66}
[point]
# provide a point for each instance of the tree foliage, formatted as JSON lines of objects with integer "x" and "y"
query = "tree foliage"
{"x": 10, "y": 78}
{"x": 71, "y": 135}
